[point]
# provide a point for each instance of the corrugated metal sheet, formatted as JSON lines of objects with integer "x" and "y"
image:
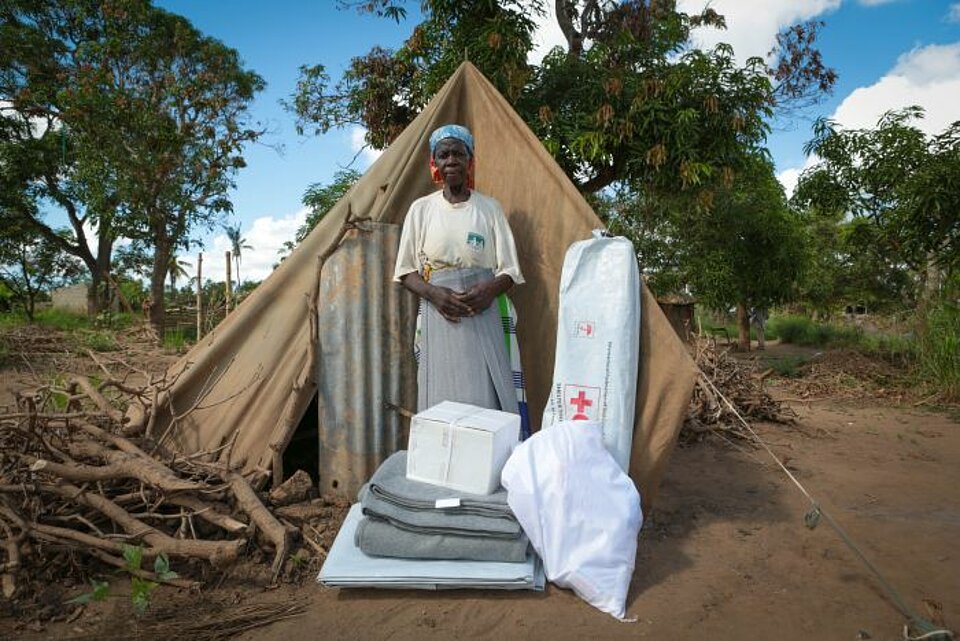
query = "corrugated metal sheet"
{"x": 366, "y": 324}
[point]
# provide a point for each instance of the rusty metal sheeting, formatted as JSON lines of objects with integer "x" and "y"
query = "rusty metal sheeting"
{"x": 366, "y": 324}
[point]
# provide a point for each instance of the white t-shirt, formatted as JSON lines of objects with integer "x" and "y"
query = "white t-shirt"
{"x": 438, "y": 235}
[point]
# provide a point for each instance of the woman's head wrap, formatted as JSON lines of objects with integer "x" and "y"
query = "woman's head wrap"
{"x": 458, "y": 132}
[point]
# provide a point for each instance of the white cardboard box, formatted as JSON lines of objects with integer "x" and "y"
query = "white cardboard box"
{"x": 461, "y": 446}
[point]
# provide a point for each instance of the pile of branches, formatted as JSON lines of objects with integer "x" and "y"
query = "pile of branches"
{"x": 723, "y": 378}
{"x": 80, "y": 481}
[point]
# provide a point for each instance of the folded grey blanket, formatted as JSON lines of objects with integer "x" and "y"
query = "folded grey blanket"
{"x": 375, "y": 537}
{"x": 412, "y": 505}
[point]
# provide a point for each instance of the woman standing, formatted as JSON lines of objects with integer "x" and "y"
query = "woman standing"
{"x": 458, "y": 255}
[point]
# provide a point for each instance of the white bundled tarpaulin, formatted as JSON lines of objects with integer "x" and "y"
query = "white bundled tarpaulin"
{"x": 598, "y": 341}
{"x": 580, "y": 511}
{"x": 347, "y": 567}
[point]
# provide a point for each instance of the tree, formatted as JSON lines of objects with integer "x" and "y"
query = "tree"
{"x": 175, "y": 271}
{"x": 156, "y": 114}
{"x": 903, "y": 183}
{"x": 238, "y": 244}
{"x": 31, "y": 265}
{"x": 320, "y": 199}
{"x": 628, "y": 99}
{"x": 38, "y": 168}
{"x": 746, "y": 250}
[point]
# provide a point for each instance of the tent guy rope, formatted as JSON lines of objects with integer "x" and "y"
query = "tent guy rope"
{"x": 925, "y": 629}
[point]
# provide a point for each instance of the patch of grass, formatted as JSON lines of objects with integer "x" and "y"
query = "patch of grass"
{"x": 938, "y": 350}
{"x": 800, "y": 330}
{"x": 177, "y": 340}
{"x": 787, "y": 366}
{"x": 99, "y": 341}
{"x": 61, "y": 319}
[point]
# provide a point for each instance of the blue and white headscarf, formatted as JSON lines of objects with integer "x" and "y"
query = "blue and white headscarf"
{"x": 457, "y": 132}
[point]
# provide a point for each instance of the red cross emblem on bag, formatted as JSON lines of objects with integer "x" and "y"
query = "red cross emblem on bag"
{"x": 582, "y": 402}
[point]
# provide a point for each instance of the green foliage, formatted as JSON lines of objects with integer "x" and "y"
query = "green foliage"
{"x": 237, "y": 244}
{"x": 320, "y": 199}
{"x": 905, "y": 183}
{"x": 801, "y": 330}
{"x": 140, "y": 588}
{"x": 747, "y": 247}
{"x": 938, "y": 349}
{"x": 178, "y": 340}
{"x": 62, "y": 319}
{"x": 100, "y": 590}
{"x": 151, "y": 118}
{"x": 31, "y": 265}
{"x": 99, "y": 341}
{"x": 629, "y": 99}
{"x": 786, "y": 366}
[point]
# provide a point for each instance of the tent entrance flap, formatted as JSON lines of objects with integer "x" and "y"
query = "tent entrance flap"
{"x": 364, "y": 359}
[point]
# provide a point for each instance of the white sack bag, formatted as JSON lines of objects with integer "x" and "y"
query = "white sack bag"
{"x": 580, "y": 511}
{"x": 598, "y": 341}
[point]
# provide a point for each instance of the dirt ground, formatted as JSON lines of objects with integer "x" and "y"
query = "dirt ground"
{"x": 724, "y": 555}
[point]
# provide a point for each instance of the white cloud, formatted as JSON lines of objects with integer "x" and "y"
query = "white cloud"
{"x": 790, "y": 176}
{"x": 266, "y": 235}
{"x": 368, "y": 155}
{"x": 927, "y": 76}
{"x": 752, "y": 25}
{"x": 953, "y": 13}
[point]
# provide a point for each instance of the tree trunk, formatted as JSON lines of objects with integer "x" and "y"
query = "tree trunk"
{"x": 743, "y": 327}
{"x": 158, "y": 277}
{"x": 98, "y": 296}
{"x": 228, "y": 285}
{"x": 931, "y": 282}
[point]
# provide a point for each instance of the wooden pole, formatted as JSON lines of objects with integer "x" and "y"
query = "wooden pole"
{"x": 199, "y": 296}
{"x": 228, "y": 286}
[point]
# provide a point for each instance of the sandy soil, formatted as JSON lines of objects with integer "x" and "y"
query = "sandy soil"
{"x": 725, "y": 555}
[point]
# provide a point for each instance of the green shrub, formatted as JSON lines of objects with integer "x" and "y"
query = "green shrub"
{"x": 800, "y": 330}
{"x": 786, "y": 366}
{"x": 61, "y": 319}
{"x": 177, "y": 339}
{"x": 938, "y": 349}
{"x": 100, "y": 341}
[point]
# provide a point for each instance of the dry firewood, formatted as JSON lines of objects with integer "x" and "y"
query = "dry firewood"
{"x": 119, "y": 465}
{"x": 305, "y": 511}
{"x": 11, "y": 544}
{"x": 272, "y": 529}
{"x": 293, "y": 490}
{"x": 208, "y": 513}
{"x": 218, "y": 553}
{"x": 99, "y": 399}
{"x": 136, "y": 419}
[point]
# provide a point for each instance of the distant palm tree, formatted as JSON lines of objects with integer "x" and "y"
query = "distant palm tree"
{"x": 238, "y": 244}
{"x": 175, "y": 270}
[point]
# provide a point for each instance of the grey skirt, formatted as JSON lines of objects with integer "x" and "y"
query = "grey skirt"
{"x": 466, "y": 362}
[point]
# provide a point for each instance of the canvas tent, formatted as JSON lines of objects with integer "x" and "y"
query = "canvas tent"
{"x": 243, "y": 382}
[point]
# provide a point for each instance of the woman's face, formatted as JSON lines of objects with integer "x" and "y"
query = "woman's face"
{"x": 452, "y": 159}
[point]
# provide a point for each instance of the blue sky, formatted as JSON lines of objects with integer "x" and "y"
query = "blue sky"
{"x": 888, "y": 53}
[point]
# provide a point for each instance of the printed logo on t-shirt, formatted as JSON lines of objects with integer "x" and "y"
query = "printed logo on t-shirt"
{"x": 475, "y": 241}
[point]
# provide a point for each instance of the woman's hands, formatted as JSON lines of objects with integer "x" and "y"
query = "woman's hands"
{"x": 454, "y": 305}
{"x": 449, "y": 303}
